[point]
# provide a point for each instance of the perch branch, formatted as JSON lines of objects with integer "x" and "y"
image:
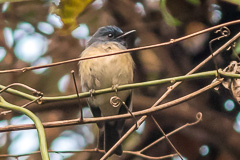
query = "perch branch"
{"x": 107, "y": 118}
{"x": 142, "y": 119}
{"x": 208, "y": 74}
{"x": 121, "y": 52}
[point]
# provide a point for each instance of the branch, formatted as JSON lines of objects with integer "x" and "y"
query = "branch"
{"x": 142, "y": 119}
{"x": 198, "y": 119}
{"x": 121, "y": 52}
{"x": 146, "y": 112}
{"x": 37, "y": 123}
{"x": 208, "y": 74}
{"x": 136, "y": 153}
{"x": 108, "y": 118}
{"x": 90, "y": 150}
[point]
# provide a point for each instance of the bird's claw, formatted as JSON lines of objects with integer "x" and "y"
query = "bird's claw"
{"x": 91, "y": 91}
{"x": 115, "y": 87}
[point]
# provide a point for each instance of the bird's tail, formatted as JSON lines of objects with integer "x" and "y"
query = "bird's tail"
{"x": 111, "y": 137}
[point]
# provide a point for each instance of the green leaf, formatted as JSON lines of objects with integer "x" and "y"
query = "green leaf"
{"x": 3, "y": 1}
{"x": 169, "y": 19}
{"x": 194, "y": 2}
{"x": 237, "y": 49}
{"x": 236, "y": 2}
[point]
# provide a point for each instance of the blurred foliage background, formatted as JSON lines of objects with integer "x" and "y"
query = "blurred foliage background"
{"x": 34, "y": 32}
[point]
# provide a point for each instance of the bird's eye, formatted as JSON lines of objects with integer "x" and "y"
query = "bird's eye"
{"x": 110, "y": 35}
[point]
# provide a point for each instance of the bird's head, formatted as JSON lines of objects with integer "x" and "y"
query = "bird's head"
{"x": 111, "y": 33}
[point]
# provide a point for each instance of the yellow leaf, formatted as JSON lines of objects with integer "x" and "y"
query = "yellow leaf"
{"x": 68, "y": 10}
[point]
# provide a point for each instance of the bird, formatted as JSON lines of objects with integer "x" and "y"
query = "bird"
{"x": 105, "y": 72}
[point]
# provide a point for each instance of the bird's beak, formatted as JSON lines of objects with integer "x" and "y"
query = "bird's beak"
{"x": 126, "y": 34}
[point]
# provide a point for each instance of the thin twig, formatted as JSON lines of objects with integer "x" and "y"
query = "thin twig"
{"x": 142, "y": 119}
{"x": 231, "y": 41}
{"x": 128, "y": 50}
{"x": 107, "y": 118}
{"x": 136, "y": 153}
{"x": 208, "y": 74}
{"x": 49, "y": 151}
{"x": 115, "y": 101}
{"x": 157, "y": 108}
{"x": 37, "y": 123}
{"x": 149, "y": 157}
{"x": 89, "y": 150}
{"x": 160, "y": 128}
{"x": 35, "y": 92}
{"x": 225, "y": 32}
{"x": 25, "y": 69}
{"x": 198, "y": 119}
{"x": 23, "y": 106}
{"x": 79, "y": 101}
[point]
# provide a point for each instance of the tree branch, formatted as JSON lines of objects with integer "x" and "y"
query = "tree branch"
{"x": 121, "y": 52}
{"x": 107, "y": 118}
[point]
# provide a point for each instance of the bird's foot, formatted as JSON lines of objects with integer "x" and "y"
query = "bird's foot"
{"x": 115, "y": 87}
{"x": 92, "y": 91}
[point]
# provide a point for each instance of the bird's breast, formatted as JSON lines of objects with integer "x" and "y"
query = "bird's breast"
{"x": 104, "y": 72}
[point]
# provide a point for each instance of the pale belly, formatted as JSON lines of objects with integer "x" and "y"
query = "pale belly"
{"x": 103, "y": 73}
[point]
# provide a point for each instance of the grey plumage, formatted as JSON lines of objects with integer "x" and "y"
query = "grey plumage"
{"x": 106, "y": 72}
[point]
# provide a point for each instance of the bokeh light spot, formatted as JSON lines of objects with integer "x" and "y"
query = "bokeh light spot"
{"x": 238, "y": 118}
{"x": 5, "y": 6}
{"x": 45, "y": 28}
{"x": 204, "y": 150}
{"x": 216, "y": 13}
{"x": 81, "y": 32}
{"x": 27, "y": 27}
{"x": 2, "y": 53}
{"x": 28, "y": 138}
{"x": 55, "y": 20}
{"x": 3, "y": 135}
{"x": 141, "y": 128}
{"x": 31, "y": 47}
{"x": 67, "y": 141}
{"x": 139, "y": 8}
{"x": 86, "y": 132}
{"x": 178, "y": 158}
{"x": 63, "y": 83}
{"x": 236, "y": 127}
{"x": 56, "y": 2}
{"x": 41, "y": 61}
{"x": 97, "y": 4}
{"x": 229, "y": 105}
{"x": 86, "y": 112}
{"x": 23, "y": 119}
{"x": 8, "y": 36}
{"x": 3, "y": 123}
{"x": 19, "y": 33}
